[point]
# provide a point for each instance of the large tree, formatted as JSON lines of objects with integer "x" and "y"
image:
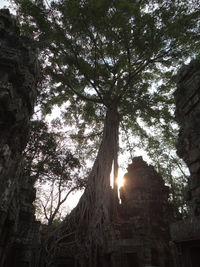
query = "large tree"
{"x": 104, "y": 56}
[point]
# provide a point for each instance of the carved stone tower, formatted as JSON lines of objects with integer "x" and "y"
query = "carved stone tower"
{"x": 141, "y": 237}
{"x": 186, "y": 234}
{"x": 18, "y": 79}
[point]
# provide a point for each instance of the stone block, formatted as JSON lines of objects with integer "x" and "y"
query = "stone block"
{"x": 195, "y": 167}
{"x": 188, "y": 229}
{"x": 194, "y": 155}
{"x": 194, "y": 181}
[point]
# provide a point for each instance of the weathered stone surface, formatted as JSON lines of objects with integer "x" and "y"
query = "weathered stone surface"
{"x": 186, "y": 234}
{"x": 188, "y": 145}
{"x": 141, "y": 237}
{"x": 185, "y": 230}
{"x": 18, "y": 80}
{"x": 144, "y": 192}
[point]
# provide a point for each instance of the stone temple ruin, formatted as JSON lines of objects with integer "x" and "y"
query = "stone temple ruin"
{"x": 140, "y": 237}
{"x": 186, "y": 234}
{"x": 18, "y": 80}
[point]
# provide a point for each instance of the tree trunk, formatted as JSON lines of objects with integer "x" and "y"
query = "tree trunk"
{"x": 92, "y": 215}
{"x": 98, "y": 189}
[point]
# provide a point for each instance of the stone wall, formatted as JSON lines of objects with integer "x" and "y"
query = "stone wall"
{"x": 186, "y": 234}
{"x": 141, "y": 236}
{"x": 18, "y": 79}
{"x": 187, "y": 114}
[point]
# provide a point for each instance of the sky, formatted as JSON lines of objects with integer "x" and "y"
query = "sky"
{"x": 4, "y": 3}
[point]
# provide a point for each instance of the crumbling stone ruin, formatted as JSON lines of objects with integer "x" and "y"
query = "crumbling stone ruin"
{"x": 186, "y": 234}
{"x": 141, "y": 237}
{"x": 18, "y": 79}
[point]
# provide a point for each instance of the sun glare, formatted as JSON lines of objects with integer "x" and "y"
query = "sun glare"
{"x": 120, "y": 179}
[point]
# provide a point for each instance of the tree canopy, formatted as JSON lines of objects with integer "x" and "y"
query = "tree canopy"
{"x": 105, "y": 51}
{"x": 95, "y": 53}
